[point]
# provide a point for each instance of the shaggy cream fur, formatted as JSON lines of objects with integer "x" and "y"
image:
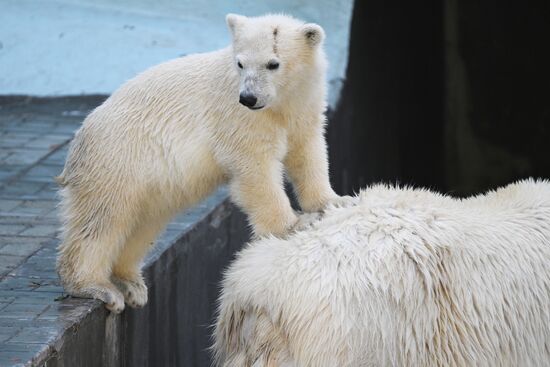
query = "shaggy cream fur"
{"x": 403, "y": 278}
{"x": 170, "y": 136}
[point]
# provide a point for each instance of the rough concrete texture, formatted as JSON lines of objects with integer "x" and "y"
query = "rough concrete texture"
{"x": 72, "y": 47}
{"x": 39, "y": 324}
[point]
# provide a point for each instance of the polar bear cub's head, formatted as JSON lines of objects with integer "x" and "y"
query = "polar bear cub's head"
{"x": 277, "y": 57}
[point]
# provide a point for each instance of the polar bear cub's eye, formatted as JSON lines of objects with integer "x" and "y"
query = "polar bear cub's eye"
{"x": 272, "y": 65}
{"x": 239, "y": 65}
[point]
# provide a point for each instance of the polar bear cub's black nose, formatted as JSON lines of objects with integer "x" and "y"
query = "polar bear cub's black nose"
{"x": 249, "y": 100}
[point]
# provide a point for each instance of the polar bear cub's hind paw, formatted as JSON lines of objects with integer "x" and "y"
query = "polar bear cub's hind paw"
{"x": 108, "y": 293}
{"x": 134, "y": 290}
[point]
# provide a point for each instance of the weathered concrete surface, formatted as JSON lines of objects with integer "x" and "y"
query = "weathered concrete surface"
{"x": 72, "y": 47}
{"x": 38, "y": 323}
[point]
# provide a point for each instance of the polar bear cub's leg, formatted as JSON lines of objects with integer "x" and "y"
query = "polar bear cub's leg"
{"x": 127, "y": 269}
{"x": 85, "y": 270}
{"x": 94, "y": 233}
{"x": 260, "y": 192}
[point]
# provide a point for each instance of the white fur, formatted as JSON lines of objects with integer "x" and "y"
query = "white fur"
{"x": 404, "y": 278}
{"x": 170, "y": 136}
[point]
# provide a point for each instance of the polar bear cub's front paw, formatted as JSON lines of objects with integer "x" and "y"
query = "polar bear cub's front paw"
{"x": 306, "y": 220}
{"x": 104, "y": 291}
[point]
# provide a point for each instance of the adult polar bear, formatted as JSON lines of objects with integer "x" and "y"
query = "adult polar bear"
{"x": 167, "y": 138}
{"x": 404, "y": 278}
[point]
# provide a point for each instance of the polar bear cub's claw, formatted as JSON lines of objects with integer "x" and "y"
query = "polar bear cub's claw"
{"x": 114, "y": 303}
{"x": 343, "y": 201}
{"x": 306, "y": 220}
{"x": 136, "y": 295}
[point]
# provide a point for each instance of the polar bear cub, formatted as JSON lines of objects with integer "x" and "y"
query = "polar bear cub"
{"x": 242, "y": 115}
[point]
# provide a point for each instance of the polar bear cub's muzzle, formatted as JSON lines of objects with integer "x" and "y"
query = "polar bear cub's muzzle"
{"x": 256, "y": 89}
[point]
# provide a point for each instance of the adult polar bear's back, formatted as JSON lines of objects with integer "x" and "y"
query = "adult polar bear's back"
{"x": 405, "y": 278}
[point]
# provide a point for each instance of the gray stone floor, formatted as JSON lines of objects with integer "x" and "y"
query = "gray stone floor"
{"x": 34, "y": 136}
{"x": 33, "y": 144}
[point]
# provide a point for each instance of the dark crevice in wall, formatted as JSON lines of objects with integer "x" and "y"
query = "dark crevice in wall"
{"x": 449, "y": 95}
{"x": 388, "y": 124}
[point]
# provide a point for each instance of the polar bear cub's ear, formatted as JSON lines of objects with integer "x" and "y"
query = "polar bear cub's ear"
{"x": 313, "y": 34}
{"x": 234, "y": 21}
